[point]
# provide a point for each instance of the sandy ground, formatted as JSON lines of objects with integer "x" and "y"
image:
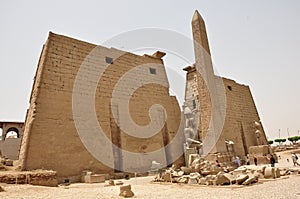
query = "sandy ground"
{"x": 285, "y": 187}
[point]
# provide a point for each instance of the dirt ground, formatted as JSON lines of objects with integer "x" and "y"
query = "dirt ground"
{"x": 285, "y": 187}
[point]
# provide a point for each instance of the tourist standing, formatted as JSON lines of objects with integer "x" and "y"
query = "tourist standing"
{"x": 247, "y": 161}
{"x": 238, "y": 161}
{"x": 255, "y": 161}
{"x": 295, "y": 159}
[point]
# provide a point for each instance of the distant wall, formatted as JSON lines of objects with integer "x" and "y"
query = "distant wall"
{"x": 10, "y": 148}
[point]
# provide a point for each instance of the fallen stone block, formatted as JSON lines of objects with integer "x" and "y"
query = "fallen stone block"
{"x": 119, "y": 183}
{"x": 242, "y": 178}
{"x": 167, "y": 177}
{"x": 222, "y": 180}
{"x": 202, "y": 181}
{"x": 94, "y": 178}
{"x": 277, "y": 172}
{"x": 9, "y": 163}
{"x": 125, "y": 191}
{"x": 231, "y": 177}
{"x": 269, "y": 172}
{"x": 193, "y": 180}
{"x": 110, "y": 183}
{"x": 186, "y": 170}
{"x": 182, "y": 179}
{"x": 249, "y": 181}
{"x": 239, "y": 171}
{"x": 258, "y": 175}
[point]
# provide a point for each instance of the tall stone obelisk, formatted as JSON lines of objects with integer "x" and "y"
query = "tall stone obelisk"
{"x": 201, "y": 47}
{"x": 210, "y": 121}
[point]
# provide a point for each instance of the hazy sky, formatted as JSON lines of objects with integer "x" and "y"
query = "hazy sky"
{"x": 253, "y": 42}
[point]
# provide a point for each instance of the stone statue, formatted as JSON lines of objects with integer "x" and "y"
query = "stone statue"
{"x": 189, "y": 130}
{"x": 257, "y": 132}
{"x": 229, "y": 146}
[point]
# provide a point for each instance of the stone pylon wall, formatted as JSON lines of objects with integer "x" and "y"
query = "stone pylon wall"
{"x": 51, "y": 139}
{"x": 235, "y": 118}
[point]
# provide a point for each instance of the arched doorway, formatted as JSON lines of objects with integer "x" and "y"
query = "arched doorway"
{"x": 12, "y": 133}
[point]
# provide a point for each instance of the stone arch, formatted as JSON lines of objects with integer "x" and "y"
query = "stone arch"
{"x": 12, "y": 131}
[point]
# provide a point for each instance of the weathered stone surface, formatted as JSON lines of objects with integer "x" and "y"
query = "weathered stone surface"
{"x": 51, "y": 110}
{"x": 242, "y": 178}
{"x": 186, "y": 170}
{"x": 125, "y": 191}
{"x": 111, "y": 182}
{"x": 192, "y": 180}
{"x": 1, "y": 189}
{"x": 269, "y": 172}
{"x": 250, "y": 180}
{"x": 202, "y": 181}
{"x": 277, "y": 172}
{"x": 222, "y": 180}
{"x": 167, "y": 176}
{"x": 240, "y": 170}
{"x": 9, "y": 163}
{"x": 231, "y": 177}
{"x": 182, "y": 179}
{"x": 94, "y": 178}
{"x": 119, "y": 183}
{"x": 40, "y": 177}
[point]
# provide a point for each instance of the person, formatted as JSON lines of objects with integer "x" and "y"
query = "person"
{"x": 218, "y": 164}
{"x": 238, "y": 161}
{"x": 255, "y": 161}
{"x": 272, "y": 161}
{"x": 295, "y": 159}
{"x": 247, "y": 161}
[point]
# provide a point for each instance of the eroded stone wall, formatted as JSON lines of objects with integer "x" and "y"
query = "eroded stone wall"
{"x": 241, "y": 114}
{"x": 51, "y": 140}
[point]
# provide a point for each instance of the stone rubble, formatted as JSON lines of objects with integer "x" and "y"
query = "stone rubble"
{"x": 207, "y": 173}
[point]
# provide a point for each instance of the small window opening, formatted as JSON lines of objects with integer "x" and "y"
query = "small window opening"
{"x": 109, "y": 60}
{"x": 152, "y": 71}
{"x": 230, "y": 88}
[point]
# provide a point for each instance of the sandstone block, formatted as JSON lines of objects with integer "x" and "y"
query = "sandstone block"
{"x": 8, "y": 162}
{"x": 119, "y": 183}
{"x": 277, "y": 172}
{"x": 242, "y": 178}
{"x": 125, "y": 191}
{"x": 269, "y": 172}
{"x": 222, "y": 180}
{"x": 250, "y": 180}
{"x": 94, "y": 178}
{"x": 202, "y": 181}
{"x": 193, "y": 180}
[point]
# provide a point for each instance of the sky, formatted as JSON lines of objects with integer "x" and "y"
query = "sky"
{"x": 253, "y": 42}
